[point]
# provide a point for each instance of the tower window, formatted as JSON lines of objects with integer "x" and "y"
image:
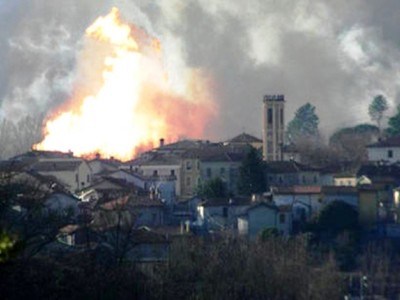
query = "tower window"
{"x": 270, "y": 116}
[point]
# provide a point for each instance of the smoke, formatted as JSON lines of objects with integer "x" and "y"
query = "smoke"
{"x": 336, "y": 55}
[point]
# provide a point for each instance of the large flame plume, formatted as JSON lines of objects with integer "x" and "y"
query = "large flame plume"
{"x": 123, "y": 102}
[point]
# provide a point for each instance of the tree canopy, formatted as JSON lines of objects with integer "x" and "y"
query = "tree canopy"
{"x": 304, "y": 124}
{"x": 350, "y": 142}
{"x": 337, "y": 217}
{"x": 394, "y": 124}
{"x": 213, "y": 188}
{"x": 377, "y": 109}
{"x": 252, "y": 173}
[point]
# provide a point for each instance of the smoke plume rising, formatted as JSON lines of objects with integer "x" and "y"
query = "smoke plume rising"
{"x": 336, "y": 55}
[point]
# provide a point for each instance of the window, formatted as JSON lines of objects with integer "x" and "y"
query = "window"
{"x": 281, "y": 116}
{"x": 209, "y": 173}
{"x": 188, "y": 181}
{"x": 155, "y": 173}
{"x": 188, "y": 165}
{"x": 88, "y": 178}
{"x": 76, "y": 177}
{"x": 315, "y": 179}
{"x": 172, "y": 172}
{"x": 270, "y": 116}
{"x": 390, "y": 153}
{"x": 282, "y": 218}
{"x": 222, "y": 171}
{"x": 225, "y": 212}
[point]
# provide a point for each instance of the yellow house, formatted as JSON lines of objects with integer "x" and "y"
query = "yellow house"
{"x": 372, "y": 202}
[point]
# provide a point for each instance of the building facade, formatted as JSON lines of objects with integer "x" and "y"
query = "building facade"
{"x": 273, "y": 126}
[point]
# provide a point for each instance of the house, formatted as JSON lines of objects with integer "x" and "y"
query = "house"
{"x": 346, "y": 194}
{"x": 101, "y": 166}
{"x": 221, "y": 162}
{"x": 345, "y": 179}
{"x": 290, "y": 173}
{"x": 159, "y": 167}
{"x": 290, "y": 153}
{"x": 369, "y": 206}
{"x": 385, "y": 150}
{"x": 74, "y": 173}
{"x": 258, "y": 217}
{"x": 305, "y": 201}
{"x": 146, "y": 210}
{"x": 221, "y": 213}
{"x": 107, "y": 188}
{"x": 245, "y": 139}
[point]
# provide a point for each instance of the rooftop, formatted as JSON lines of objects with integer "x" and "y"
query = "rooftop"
{"x": 393, "y": 141}
{"x": 244, "y": 138}
{"x": 57, "y": 166}
{"x": 274, "y": 98}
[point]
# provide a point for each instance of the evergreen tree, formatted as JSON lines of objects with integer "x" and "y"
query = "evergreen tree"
{"x": 394, "y": 124}
{"x": 304, "y": 124}
{"x": 252, "y": 173}
{"x": 213, "y": 188}
{"x": 377, "y": 109}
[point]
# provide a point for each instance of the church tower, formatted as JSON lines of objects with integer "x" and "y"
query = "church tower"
{"x": 273, "y": 126}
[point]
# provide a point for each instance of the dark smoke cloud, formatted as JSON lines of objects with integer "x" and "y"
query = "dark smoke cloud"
{"x": 335, "y": 54}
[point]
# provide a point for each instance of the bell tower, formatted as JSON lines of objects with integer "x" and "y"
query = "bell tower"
{"x": 273, "y": 126}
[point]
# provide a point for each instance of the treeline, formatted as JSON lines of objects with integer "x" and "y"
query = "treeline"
{"x": 223, "y": 267}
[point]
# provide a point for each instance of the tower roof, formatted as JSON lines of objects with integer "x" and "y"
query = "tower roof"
{"x": 277, "y": 98}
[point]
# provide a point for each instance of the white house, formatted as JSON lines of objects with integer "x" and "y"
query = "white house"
{"x": 74, "y": 173}
{"x": 385, "y": 150}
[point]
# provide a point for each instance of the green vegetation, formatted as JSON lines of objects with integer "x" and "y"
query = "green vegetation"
{"x": 377, "y": 109}
{"x": 304, "y": 124}
{"x": 252, "y": 173}
{"x": 213, "y": 188}
{"x": 394, "y": 124}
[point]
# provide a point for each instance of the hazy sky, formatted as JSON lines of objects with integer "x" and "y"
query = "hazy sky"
{"x": 334, "y": 54}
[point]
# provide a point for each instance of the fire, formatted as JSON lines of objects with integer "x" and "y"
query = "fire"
{"x": 123, "y": 102}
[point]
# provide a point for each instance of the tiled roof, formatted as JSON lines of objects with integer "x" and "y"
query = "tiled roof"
{"x": 348, "y": 190}
{"x": 217, "y": 153}
{"x": 144, "y": 201}
{"x": 234, "y": 201}
{"x": 161, "y": 159}
{"x": 56, "y": 165}
{"x": 376, "y": 170}
{"x": 244, "y": 138}
{"x": 13, "y": 166}
{"x": 393, "y": 141}
{"x": 297, "y": 189}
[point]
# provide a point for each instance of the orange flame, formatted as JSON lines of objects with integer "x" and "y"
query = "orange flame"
{"x": 124, "y": 102}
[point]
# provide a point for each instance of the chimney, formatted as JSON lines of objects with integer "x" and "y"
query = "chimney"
{"x": 161, "y": 142}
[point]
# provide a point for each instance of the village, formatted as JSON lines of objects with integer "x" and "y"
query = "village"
{"x": 134, "y": 211}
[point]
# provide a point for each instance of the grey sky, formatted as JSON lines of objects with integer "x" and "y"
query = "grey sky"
{"x": 335, "y": 54}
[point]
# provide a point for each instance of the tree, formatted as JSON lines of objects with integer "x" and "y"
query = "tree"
{"x": 350, "y": 142}
{"x": 377, "y": 109}
{"x": 213, "y": 188}
{"x": 336, "y": 218}
{"x": 304, "y": 124}
{"x": 394, "y": 124}
{"x": 252, "y": 173}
